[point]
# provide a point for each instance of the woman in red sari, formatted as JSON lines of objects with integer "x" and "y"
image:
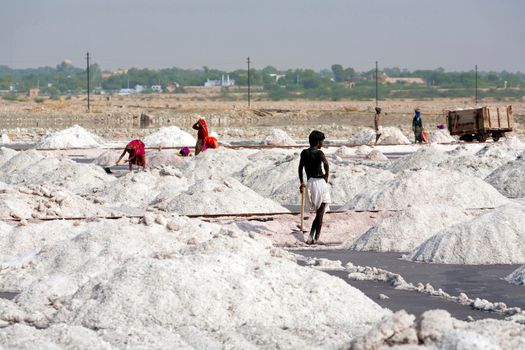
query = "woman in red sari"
{"x": 202, "y": 134}
{"x": 137, "y": 154}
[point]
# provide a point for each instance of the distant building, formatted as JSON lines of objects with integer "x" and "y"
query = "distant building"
{"x": 34, "y": 92}
{"x": 277, "y": 76}
{"x": 156, "y": 88}
{"x": 406, "y": 80}
{"x": 120, "y": 71}
{"x": 105, "y": 75}
{"x": 125, "y": 92}
{"x": 222, "y": 82}
{"x": 139, "y": 88}
{"x": 172, "y": 87}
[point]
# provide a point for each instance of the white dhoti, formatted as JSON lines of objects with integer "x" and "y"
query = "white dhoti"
{"x": 317, "y": 193}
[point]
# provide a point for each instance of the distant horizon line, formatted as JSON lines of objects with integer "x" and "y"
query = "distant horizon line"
{"x": 279, "y": 69}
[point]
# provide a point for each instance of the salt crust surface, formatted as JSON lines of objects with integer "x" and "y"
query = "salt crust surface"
{"x": 517, "y": 276}
{"x": 5, "y": 139}
{"x": 509, "y": 179}
{"x": 73, "y": 137}
{"x": 278, "y": 137}
{"x": 181, "y": 284}
{"x": 170, "y": 136}
{"x": 406, "y": 229}
{"x": 436, "y": 329}
{"x": 497, "y": 237}
{"x": 411, "y": 188}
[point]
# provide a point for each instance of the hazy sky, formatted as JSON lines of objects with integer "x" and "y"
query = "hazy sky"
{"x": 413, "y": 34}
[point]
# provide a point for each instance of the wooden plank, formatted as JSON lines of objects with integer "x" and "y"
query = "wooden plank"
{"x": 499, "y": 119}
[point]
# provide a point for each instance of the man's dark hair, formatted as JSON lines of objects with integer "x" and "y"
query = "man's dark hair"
{"x": 315, "y": 137}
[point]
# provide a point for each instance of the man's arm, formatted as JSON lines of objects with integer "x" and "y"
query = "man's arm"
{"x": 326, "y": 167}
{"x": 300, "y": 169}
{"x": 197, "y": 125}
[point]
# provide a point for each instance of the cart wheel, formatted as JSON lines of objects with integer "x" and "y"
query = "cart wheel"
{"x": 467, "y": 138}
{"x": 496, "y": 136}
{"x": 482, "y": 137}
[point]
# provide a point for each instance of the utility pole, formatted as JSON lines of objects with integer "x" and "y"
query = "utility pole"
{"x": 87, "y": 71}
{"x": 476, "y": 84}
{"x": 248, "y": 61}
{"x": 377, "y": 94}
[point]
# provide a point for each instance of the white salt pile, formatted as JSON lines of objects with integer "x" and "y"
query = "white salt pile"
{"x": 6, "y": 154}
{"x": 165, "y": 158}
{"x": 348, "y": 181}
{"x": 344, "y": 152}
{"x": 392, "y": 136}
{"x": 36, "y": 201}
{"x": 436, "y": 329}
{"x": 278, "y": 137}
{"x": 140, "y": 189}
{"x": 509, "y": 179}
{"x": 517, "y": 276}
{"x": 33, "y": 167}
{"x": 275, "y": 179}
{"x": 220, "y": 196}
{"x": 107, "y": 158}
{"x": 222, "y": 161}
{"x": 170, "y": 136}
{"x": 413, "y": 188}
{"x": 440, "y": 136}
{"x": 376, "y": 155}
{"x": 115, "y": 284}
{"x": 497, "y": 237}
{"x": 474, "y": 165}
{"x": 424, "y": 158}
{"x": 5, "y": 139}
{"x": 73, "y": 137}
{"x": 406, "y": 229}
{"x": 365, "y": 136}
{"x": 363, "y": 150}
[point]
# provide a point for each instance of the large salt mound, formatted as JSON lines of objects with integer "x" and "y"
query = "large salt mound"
{"x": 33, "y": 167}
{"x": 222, "y": 161}
{"x": 140, "y": 189}
{"x": 38, "y": 201}
{"x": 6, "y": 154}
{"x": 421, "y": 187}
{"x": 406, "y": 229}
{"x": 474, "y": 165}
{"x": 440, "y": 136}
{"x": 423, "y": 158}
{"x": 73, "y": 137}
{"x": 517, "y": 276}
{"x": 275, "y": 179}
{"x": 347, "y": 181}
{"x": 220, "y": 196}
{"x": 497, "y": 237}
{"x": 170, "y": 136}
{"x": 278, "y": 137}
{"x": 392, "y": 136}
{"x": 5, "y": 139}
{"x": 510, "y": 178}
{"x": 119, "y": 285}
{"x": 365, "y": 136}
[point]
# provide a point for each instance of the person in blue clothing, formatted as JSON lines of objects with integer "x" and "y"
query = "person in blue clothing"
{"x": 417, "y": 126}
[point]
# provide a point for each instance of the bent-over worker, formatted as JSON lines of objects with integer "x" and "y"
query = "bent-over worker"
{"x": 137, "y": 154}
{"x": 377, "y": 124}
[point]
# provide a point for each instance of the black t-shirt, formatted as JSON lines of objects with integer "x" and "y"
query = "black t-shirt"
{"x": 312, "y": 159}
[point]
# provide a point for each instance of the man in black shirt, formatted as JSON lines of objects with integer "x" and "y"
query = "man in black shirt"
{"x": 317, "y": 190}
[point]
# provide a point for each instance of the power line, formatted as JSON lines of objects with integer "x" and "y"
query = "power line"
{"x": 87, "y": 71}
{"x": 248, "y": 61}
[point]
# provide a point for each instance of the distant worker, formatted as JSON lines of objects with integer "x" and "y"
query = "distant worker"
{"x": 417, "y": 126}
{"x": 317, "y": 190}
{"x": 377, "y": 124}
{"x": 202, "y": 134}
{"x": 184, "y": 151}
{"x": 137, "y": 154}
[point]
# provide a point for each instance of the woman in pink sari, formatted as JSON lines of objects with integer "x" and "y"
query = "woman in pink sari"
{"x": 137, "y": 154}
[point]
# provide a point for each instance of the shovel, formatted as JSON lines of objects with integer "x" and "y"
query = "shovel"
{"x": 302, "y": 212}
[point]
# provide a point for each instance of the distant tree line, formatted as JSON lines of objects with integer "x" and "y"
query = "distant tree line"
{"x": 333, "y": 84}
